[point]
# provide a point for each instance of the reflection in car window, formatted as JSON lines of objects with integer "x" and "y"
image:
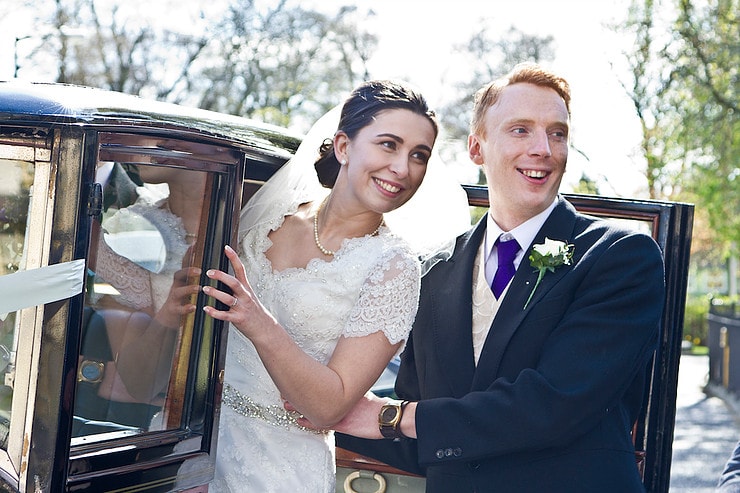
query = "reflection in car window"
{"x": 141, "y": 292}
{"x": 15, "y": 193}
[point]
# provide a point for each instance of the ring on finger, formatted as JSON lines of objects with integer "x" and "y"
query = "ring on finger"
{"x": 235, "y": 302}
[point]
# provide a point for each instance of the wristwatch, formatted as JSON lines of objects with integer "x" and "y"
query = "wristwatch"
{"x": 389, "y": 419}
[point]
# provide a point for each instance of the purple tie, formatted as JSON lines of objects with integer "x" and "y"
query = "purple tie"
{"x": 507, "y": 250}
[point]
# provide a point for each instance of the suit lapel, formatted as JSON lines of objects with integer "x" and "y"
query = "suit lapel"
{"x": 451, "y": 295}
{"x": 511, "y": 313}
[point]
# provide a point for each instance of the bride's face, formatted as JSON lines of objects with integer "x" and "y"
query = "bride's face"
{"x": 387, "y": 160}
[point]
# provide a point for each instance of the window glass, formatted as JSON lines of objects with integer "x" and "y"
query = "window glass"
{"x": 143, "y": 278}
{"x": 16, "y": 188}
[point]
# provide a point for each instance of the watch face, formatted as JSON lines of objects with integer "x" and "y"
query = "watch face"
{"x": 389, "y": 414}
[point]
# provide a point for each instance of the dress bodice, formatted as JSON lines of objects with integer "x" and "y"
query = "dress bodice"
{"x": 371, "y": 284}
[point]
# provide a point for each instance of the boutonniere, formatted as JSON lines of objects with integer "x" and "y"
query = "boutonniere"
{"x": 546, "y": 257}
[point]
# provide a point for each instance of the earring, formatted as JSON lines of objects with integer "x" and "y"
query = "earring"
{"x": 344, "y": 162}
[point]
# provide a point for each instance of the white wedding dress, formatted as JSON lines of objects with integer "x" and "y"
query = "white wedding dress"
{"x": 371, "y": 284}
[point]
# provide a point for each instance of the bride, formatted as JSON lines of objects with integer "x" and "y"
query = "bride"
{"x": 325, "y": 288}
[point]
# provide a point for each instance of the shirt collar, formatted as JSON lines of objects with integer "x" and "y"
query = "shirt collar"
{"x": 524, "y": 233}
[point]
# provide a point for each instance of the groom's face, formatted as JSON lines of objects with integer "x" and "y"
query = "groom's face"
{"x": 523, "y": 152}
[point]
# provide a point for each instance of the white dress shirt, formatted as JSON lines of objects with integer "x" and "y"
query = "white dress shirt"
{"x": 485, "y": 304}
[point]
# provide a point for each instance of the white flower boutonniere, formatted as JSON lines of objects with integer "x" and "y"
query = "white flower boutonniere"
{"x": 547, "y": 257}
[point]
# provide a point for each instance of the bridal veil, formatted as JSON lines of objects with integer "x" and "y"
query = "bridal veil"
{"x": 429, "y": 222}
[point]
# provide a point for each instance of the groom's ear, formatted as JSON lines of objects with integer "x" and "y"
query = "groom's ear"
{"x": 474, "y": 149}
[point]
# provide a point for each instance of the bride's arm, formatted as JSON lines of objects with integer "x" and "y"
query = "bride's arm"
{"x": 323, "y": 393}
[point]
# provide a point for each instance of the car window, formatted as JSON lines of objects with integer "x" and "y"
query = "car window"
{"x": 16, "y": 189}
{"x": 144, "y": 271}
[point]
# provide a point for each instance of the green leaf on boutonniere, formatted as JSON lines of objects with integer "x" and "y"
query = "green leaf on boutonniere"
{"x": 546, "y": 257}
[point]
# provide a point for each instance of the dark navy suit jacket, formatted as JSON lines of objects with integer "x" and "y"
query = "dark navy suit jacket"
{"x": 551, "y": 404}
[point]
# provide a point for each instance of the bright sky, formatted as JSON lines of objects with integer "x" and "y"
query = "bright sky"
{"x": 417, "y": 38}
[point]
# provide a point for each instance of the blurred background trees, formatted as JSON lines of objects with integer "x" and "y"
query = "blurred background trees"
{"x": 488, "y": 56}
{"x": 286, "y": 64}
{"x": 685, "y": 87}
{"x": 278, "y": 63}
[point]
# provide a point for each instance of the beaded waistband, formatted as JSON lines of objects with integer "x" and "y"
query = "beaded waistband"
{"x": 273, "y": 415}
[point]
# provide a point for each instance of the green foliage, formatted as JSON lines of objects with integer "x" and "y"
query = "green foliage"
{"x": 586, "y": 186}
{"x": 686, "y": 89}
{"x": 706, "y": 94}
{"x": 695, "y": 324}
{"x": 685, "y": 86}
{"x": 476, "y": 213}
{"x": 696, "y": 327}
{"x": 724, "y": 304}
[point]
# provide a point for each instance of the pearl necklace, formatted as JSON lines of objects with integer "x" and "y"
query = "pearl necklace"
{"x": 326, "y": 251}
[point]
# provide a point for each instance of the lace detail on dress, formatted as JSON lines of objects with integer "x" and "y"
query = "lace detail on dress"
{"x": 130, "y": 280}
{"x": 371, "y": 284}
{"x": 388, "y": 300}
{"x": 373, "y": 278}
{"x": 256, "y": 457}
{"x": 142, "y": 286}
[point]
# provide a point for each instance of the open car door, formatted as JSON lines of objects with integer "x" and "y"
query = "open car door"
{"x": 112, "y": 207}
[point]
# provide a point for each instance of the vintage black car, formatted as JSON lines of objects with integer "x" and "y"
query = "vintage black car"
{"x": 110, "y": 202}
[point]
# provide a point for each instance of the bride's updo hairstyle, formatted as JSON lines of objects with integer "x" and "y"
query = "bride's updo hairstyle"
{"x": 359, "y": 111}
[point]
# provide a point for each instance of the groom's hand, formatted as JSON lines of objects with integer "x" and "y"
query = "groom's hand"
{"x": 361, "y": 421}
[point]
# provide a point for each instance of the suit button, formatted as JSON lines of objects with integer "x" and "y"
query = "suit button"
{"x": 448, "y": 452}
{"x": 440, "y": 454}
{"x": 457, "y": 452}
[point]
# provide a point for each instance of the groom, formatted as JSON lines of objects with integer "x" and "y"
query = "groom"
{"x": 535, "y": 388}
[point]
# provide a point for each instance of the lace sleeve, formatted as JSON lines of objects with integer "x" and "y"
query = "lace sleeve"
{"x": 388, "y": 299}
